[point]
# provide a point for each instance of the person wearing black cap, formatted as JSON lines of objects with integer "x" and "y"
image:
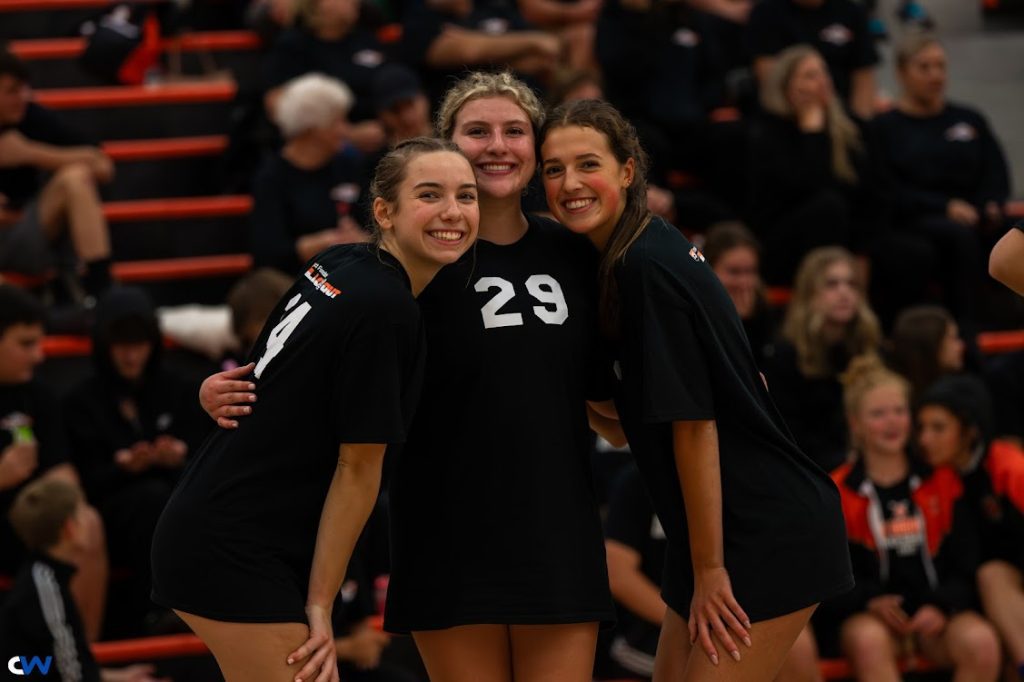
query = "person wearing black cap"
{"x": 1007, "y": 256}
{"x": 955, "y": 429}
{"x": 131, "y": 425}
{"x": 401, "y": 103}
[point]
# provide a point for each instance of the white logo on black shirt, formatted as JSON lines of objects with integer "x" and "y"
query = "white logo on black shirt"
{"x": 494, "y": 26}
{"x": 961, "y": 132}
{"x": 696, "y": 255}
{"x": 836, "y": 34}
{"x": 686, "y": 38}
{"x": 371, "y": 59}
{"x": 345, "y": 193}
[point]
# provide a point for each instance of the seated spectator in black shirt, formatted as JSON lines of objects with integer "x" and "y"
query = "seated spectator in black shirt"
{"x": 810, "y": 180}
{"x": 837, "y": 29}
{"x": 33, "y": 446}
{"x": 39, "y": 621}
{"x": 305, "y": 195}
{"x": 733, "y": 253}
{"x": 329, "y": 39}
{"x": 828, "y": 322}
{"x": 949, "y": 172}
{"x": 444, "y": 38}
{"x": 66, "y": 209}
{"x": 131, "y": 424}
{"x": 662, "y": 67}
{"x": 635, "y": 544}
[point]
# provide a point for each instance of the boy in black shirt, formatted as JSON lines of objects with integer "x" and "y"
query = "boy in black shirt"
{"x": 33, "y": 446}
{"x": 40, "y": 619}
{"x": 37, "y": 218}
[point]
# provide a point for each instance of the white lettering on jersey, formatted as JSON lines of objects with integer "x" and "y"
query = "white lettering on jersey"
{"x": 318, "y": 276}
{"x": 544, "y": 288}
{"x": 279, "y": 335}
{"x": 837, "y": 34}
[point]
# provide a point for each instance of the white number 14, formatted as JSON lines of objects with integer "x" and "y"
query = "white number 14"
{"x": 544, "y": 288}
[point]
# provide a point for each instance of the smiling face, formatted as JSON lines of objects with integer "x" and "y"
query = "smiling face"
{"x": 942, "y": 437}
{"x": 497, "y": 137}
{"x": 436, "y": 215}
{"x": 584, "y": 182}
{"x": 881, "y": 423}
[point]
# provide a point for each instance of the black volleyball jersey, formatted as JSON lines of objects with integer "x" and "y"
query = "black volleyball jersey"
{"x": 339, "y": 361}
{"x": 492, "y": 508}
{"x": 683, "y": 355}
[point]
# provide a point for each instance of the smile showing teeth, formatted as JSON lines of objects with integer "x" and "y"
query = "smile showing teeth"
{"x": 446, "y": 236}
{"x": 576, "y": 204}
{"x": 496, "y": 167}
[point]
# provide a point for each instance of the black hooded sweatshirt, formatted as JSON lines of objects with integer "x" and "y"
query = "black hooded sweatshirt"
{"x": 99, "y": 413}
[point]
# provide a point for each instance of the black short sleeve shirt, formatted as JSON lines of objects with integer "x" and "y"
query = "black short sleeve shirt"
{"x": 339, "y": 361}
{"x": 838, "y": 29}
{"x": 353, "y": 60}
{"x": 683, "y": 355}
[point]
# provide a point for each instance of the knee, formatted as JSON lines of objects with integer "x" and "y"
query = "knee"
{"x": 995, "y": 577}
{"x": 74, "y": 178}
{"x": 865, "y": 639}
{"x": 974, "y": 644}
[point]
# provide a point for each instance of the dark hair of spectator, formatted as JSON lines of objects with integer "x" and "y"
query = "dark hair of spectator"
{"x": 724, "y": 237}
{"x": 18, "y": 307}
{"x": 10, "y": 65}
{"x": 253, "y": 297}
{"x": 40, "y": 511}
{"x": 912, "y": 43}
{"x": 390, "y": 173}
{"x": 917, "y": 337}
{"x": 625, "y": 145}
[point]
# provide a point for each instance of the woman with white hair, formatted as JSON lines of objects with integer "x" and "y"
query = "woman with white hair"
{"x": 306, "y": 196}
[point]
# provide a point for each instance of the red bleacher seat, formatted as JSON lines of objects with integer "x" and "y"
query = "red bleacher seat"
{"x": 142, "y": 95}
{"x": 71, "y": 48}
{"x": 169, "y": 148}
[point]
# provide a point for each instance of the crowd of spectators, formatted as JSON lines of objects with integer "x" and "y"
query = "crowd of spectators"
{"x": 770, "y": 144}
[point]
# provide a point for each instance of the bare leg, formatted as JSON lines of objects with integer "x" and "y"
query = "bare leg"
{"x": 772, "y": 641}
{"x": 673, "y": 648}
{"x": 70, "y": 200}
{"x": 250, "y": 652}
{"x": 970, "y": 644}
{"x": 1002, "y": 592}
{"x": 801, "y": 665}
{"x": 869, "y": 645}
{"x": 468, "y": 653}
{"x": 553, "y": 653}
{"x": 89, "y": 584}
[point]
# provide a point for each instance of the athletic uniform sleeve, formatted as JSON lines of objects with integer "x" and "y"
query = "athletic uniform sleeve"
{"x": 677, "y": 384}
{"x": 369, "y": 382}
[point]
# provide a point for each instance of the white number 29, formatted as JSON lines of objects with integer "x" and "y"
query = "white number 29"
{"x": 544, "y": 288}
{"x": 280, "y": 333}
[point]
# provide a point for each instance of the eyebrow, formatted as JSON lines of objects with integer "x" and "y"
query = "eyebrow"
{"x": 438, "y": 185}
{"x": 587, "y": 155}
{"x": 515, "y": 121}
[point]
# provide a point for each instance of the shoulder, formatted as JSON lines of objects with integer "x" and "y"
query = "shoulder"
{"x": 1005, "y": 457}
{"x": 841, "y": 474}
{"x": 944, "y": 481}
{"x": 366, "y": 279}
{"x": 961, "y": 113}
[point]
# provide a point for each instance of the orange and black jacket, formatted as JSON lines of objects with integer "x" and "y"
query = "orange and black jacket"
{"x": 994, "y": 487}
{"x": 948, "y": 557}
